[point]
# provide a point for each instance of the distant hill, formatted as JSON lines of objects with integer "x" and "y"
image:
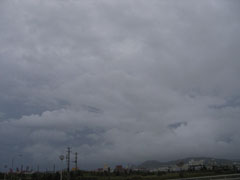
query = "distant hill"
{"x": 151, "y": 164}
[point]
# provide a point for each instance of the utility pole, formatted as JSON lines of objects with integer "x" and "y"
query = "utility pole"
{"x": 76, "y": 161}
{"x": 68, "y": 158}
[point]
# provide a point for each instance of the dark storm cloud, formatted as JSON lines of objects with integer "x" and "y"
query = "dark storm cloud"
{"x": 119, "y": 81}
{"x": 177, "y": 125}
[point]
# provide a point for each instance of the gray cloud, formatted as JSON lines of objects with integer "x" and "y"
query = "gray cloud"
{"x": 119, "y": 82}
{"x": 177, "y": 125}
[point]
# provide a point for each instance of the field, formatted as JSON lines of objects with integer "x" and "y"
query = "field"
{"x": 81, "y": 175}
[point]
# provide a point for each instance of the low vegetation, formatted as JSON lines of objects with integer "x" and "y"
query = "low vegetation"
{"x": 85, "y": 175}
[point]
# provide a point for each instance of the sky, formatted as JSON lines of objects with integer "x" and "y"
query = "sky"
{"x": 118, "y": 81}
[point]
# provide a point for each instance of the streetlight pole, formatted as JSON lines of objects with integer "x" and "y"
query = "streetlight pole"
{"x": 61, "y": 157}
{"x": 5, "y": 167}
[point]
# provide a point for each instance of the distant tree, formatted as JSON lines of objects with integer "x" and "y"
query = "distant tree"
{"x": 180, "y": 164}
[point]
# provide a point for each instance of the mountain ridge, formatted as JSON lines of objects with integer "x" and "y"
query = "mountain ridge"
{"x": 150, "y": 164}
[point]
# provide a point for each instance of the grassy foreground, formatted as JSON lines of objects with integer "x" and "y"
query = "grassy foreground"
{"x": 81, "y": 175}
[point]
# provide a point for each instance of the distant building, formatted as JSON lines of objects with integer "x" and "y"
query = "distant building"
{"x": 163, "y": 169}
{"x": 119, "y": 168}
{"x": 236, "y": 166}
{"x": 185, "y": 167}
{"x": 174, "y": 168}
{"x": 106, "y": 168}
{"x": 100, "y": 170}
{"x": 195, "y": 165}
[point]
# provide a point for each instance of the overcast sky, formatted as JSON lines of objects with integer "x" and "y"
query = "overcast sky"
{"x": 119, "y": 81}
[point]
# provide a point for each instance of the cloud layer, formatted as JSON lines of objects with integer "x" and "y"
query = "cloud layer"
{"x": 119, "y": 81}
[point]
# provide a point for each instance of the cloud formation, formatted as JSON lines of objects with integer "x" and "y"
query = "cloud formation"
{"x": 119, "y": 81}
